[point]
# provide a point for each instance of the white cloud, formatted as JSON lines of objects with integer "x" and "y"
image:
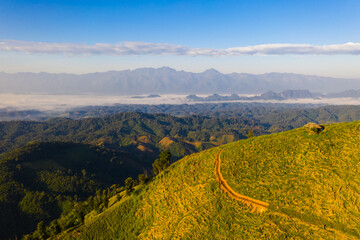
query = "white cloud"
{"x": 145, "y": 48}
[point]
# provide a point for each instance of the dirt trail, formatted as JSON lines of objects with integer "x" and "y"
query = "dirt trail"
{"x": 259, "y": 206}
{"x": 256, "y": 205}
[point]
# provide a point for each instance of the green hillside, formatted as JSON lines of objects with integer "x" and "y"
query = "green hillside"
{"x": 309, "y": 180}
{"x": 132, "y": 131}
{"x": 40, "y": 181}
{"x": 64, "y": 160}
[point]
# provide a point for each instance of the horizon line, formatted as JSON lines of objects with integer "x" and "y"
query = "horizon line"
{"x": 167, "y": 67}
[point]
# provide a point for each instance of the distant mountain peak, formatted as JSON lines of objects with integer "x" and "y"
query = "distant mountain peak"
{"x": 167, "y": 80}
{"x": 212, "y": 71}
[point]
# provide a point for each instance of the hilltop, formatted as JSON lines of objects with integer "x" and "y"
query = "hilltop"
{"x": 309, "y": 180}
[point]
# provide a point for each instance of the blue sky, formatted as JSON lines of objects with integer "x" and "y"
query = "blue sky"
{"x": 88, "y": 36}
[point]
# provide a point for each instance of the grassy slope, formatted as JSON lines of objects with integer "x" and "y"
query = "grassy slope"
{"x": 310, "y": 182}
{"x": 313, "y": 177}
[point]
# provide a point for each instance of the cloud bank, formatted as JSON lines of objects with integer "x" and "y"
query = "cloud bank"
{"x": 145, "y": 48}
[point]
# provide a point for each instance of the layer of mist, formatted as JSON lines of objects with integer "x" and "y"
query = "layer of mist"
{"x": 47, "y": 102}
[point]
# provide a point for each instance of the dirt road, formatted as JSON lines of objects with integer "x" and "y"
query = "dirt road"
{"x": 256, "y": 205}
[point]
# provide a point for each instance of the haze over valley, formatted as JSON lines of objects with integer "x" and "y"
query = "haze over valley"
{"x": 179, "y": 119}
{"x": 63, "y": 92}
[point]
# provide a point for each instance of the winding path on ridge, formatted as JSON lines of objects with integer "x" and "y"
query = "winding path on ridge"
{"x": 256, "y": 205}
{"x": 259, "y": 206}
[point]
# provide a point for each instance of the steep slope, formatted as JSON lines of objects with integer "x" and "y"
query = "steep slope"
{"x": 310, "y": 182}
{"x": 41, "y": 181}
{"x": 254, "y": 204}
{"x": 313, "y": 177}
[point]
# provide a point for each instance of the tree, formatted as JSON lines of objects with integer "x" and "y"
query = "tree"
{"x": 250, "y": 134}
{"x": 161, "y": 164}
{"x": 129, "y": 185}
{"x": 54, "y": 228}
{"x": 41, "y": 230}
{"x": 142, "y": 178}
{"x": 165, "y": 156}
{"x": 157, "y": 167}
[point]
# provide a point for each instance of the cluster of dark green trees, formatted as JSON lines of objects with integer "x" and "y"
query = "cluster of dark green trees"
{"x": 59, "y": 207}
{"x": 76, "y": 216}
{"x": 42, "y": 181}
{"x": 162, "y": 163}
{"x": 159, "y": 165}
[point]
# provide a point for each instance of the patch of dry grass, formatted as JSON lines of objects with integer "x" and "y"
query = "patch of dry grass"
{"x": 166, "y": 142}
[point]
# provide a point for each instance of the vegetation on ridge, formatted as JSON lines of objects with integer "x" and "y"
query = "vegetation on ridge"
{"x": 313, "y": 177}
{"x": 41, "y": 181}
{"x": 309, "y": 180}
{"x": 133, "y": 132}
{"x": 45, "y": 165}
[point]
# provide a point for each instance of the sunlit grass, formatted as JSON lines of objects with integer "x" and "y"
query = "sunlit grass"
{"x": 310, "y": 181}
{"x": 311, "y": 177}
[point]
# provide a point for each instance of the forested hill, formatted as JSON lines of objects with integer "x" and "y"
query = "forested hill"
{"x": 48, "y": 167}
{"x": 278, "y": 116}
{"x": 41, "y": 181}
{"x": 132, "y": 131}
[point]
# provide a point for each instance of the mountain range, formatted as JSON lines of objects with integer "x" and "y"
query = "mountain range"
{"x": 166, "y": 80}
{"x": 271, "y": 95}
